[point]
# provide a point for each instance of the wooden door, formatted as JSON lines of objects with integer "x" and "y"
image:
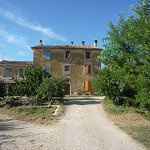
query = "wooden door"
{"x": 67, "y": 90}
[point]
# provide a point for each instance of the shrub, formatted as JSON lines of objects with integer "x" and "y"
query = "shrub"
{"x": 51, "y": 87}
{"x": 2, "y": 88}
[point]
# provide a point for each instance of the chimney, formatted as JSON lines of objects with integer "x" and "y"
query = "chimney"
{"x": 72, "y": 43}
{"x": 41, "y": 43}
{"x": 83, "y": 43}
{"x": 95, "y": 43}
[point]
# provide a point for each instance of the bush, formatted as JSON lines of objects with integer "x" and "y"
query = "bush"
{"x": 34, "y": 100}
{"x": 51, "y": 87}
{"x": 2, "y": 88}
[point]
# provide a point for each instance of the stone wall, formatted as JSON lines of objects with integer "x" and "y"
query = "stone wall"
{"x": 77, "y": 61}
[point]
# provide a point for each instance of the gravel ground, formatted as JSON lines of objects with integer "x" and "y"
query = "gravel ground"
{"x": 83, "y": 127}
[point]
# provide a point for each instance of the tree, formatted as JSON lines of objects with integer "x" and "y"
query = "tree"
{"x": 51, "y": 87}
{"x": 126, "y": 58}
{"x": 31, "y": 79}
{"x": 2, "y": 88}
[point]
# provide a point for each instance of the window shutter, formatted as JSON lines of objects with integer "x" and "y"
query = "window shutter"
{"x": 20, "y": 72}
{"x": 67, "y": 54}
{"x": 87, "y": 85}
{"x": 7, "y": 72}
{"x": 47, "y": 69}
{"x": 86, "y": 68}
{"x": 89, "y": 68}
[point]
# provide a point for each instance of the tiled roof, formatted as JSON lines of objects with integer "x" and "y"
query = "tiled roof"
{"x": 65, "y": 47}
{"x": 15, "y": 62}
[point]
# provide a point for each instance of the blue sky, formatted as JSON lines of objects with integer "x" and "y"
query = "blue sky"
{"x": 23, "y": 23}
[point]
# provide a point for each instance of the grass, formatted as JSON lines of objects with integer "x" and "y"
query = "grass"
{"x": 133, "y": 121}
{"x": 140, "y": 133}
{"x": 40, "y": 115}
{"x": 120, "y": 110}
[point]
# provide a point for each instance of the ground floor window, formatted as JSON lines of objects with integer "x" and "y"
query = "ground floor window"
{"x": 20, "y": 72}
{"x": 8, "y": 72}
{"x": 47, "y": 69}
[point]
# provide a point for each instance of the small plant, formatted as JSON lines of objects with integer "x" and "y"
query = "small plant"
{"x": 34, "y": 100}
{"x": 10, "y": 101}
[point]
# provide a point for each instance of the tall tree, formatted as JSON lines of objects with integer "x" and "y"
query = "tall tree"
{"x": 127, "y": 59}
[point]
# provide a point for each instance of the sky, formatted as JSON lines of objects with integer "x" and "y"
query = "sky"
{"x": 23, "y": 23}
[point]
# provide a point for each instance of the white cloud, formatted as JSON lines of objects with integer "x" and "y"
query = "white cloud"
{"x": 22, "y": 22}
{"x": 13, "y": 38}
{"x": 22, "y": 53}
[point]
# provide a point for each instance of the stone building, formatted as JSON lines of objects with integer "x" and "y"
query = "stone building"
{"x": 9, "y": 69}
{"x": 75, "y": 63}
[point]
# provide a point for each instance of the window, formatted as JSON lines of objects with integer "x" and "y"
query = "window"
{"x": 67, "y": 54}
{"x": 7, "y": 72}
{"x": 67, "y": 69}
{"x": 47, "y": 54}
{"x": 68, "y": 80}
{"x": 47, "y": 69}
{"x": 20, "y": 72}
{"x": 87, "y": 69}
{"x": 87, "y": 55}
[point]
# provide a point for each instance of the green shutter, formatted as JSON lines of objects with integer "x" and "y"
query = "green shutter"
{"x": 47, "y": 69}
{"x": 7, "y": 72}
{"x": 20, "y": 72}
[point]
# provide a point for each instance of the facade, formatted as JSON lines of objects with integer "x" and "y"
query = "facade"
{"x": 9, "y": 69}
{"x": 74, "y": 63}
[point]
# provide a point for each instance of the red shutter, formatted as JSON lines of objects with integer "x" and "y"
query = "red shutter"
{"x": 87, "y": 69}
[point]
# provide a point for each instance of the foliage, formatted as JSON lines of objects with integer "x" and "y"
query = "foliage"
{"x": 2, "y": 88}
{"x": 12, "y": 101}
{"x": 51, "y": 87}
{"x": 31, "y": 79}
{"x": 126, "y": 75}
{"x": 128, "y": 119}
{"x": 34, "y": 100}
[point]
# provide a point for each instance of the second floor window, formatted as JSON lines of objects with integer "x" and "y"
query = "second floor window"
{"x": 87, "y": 55}
{"x": 87, "y": 69}
{"x": 8, "y": 72}
{"x": 47, "y": 54}
{"x": 67, "y": 54}
{"x": 67, "y": 69}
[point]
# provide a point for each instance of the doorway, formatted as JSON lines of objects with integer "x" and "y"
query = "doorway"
{"x": 67, "y": 89}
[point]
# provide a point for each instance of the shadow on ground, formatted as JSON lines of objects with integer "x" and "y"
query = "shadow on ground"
{"x": 82, "y": 101}
{"x": 7, "y": 124}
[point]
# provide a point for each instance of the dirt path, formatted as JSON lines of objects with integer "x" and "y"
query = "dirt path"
{"x": 83, "y": 127}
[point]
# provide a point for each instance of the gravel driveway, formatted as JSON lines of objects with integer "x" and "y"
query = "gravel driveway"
{"x": 83, "y": 127}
